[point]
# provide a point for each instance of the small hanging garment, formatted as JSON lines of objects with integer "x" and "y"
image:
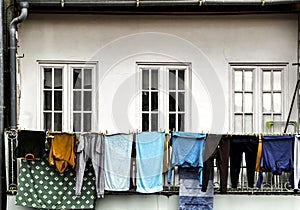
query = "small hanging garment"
{"x": 62, "y": 151}
{"x": 296, "y": 163}
{"x": 30, "y": 143}
{"x": 187, "y": 151}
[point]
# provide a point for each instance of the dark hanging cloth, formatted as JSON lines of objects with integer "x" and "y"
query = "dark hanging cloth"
{"x": 217, "y": 147}
{"x": 240, "y": 144}
{"x": 31, "y": 144}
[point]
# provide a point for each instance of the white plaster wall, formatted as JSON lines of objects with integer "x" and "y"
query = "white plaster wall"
{"x": 160, "y": 202}
{"x": 118, "y": 42}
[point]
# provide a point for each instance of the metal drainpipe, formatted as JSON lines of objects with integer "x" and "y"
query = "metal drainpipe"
{"x": 2, "y": 160}
{"x": 12, "y": 62}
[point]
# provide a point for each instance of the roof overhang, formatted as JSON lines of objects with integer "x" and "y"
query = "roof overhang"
{"x": 164, "y": 6}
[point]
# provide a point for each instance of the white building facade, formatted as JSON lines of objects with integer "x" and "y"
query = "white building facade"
{"x": 120, "y": 73}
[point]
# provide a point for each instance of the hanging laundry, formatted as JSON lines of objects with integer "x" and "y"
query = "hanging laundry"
{"x": 190, "y": 195}
{"x": 296, "y": 163}
{"x": 117, "y": 161}
{"x": 43, "y": 187}
{"x": 187, "y": 151}
{"x": 62, "y": 151}
{"x": 30, "y": 143}
{"x": 277, "y": 157}
{"x": 166, "y": 153}
{"x": 149, "y": 161}
{"x": 90, "y": 147}
{"x": 240, "y": 144}
{"x": 217, "y": 147}
{"x": 259, "y": 152}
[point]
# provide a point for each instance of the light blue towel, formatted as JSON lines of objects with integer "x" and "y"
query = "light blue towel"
{"x": 149, "y": 160}
{"x": 187, "y": 148}
{"x": 117, "y": 161}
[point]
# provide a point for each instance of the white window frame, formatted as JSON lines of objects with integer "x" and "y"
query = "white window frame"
{"x": 257, "y": 89}
{"x": 163, "y": 92}
{"x": 67, "y": 107}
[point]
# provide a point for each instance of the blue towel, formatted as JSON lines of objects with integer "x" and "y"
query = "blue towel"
{"x": 117, "y": 161}
{"x": 187, "y": 150}
{"x": 149, "y": 160}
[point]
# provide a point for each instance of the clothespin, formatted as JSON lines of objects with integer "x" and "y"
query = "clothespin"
{"x": 106, "y": 132}
{"x": 227, "y": 134}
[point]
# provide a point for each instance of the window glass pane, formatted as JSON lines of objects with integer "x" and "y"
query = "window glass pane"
{"x": 181, "y": 101}
{"x": 58, "y": 100}
{"x": 277, "y": 102}
{"x": 145, "y": 122}
{"x": 248, "y": 81}
{"x": 238, "y": 80}
{"x": 278, "y": 127}
{"x": 172, "y": 121}
{"x": 154, "y": 101}
{"x": 77, "y": 78}
{"x": 47, "y": 121}
{"x": 266, "y": 80}
{"x": 248, "y": 123}
{"x": 87, "y": 78}
{"x": 154, "y": 80}
{"x": 277, "y": 117}
{"x": 87, "y": 101}
{"x": 58, "y": 78}
{"x": 154, "y": 122}
{"x": 266, "y": 118}
{"x": 238, "y": 123}
{"x": 172, "y": 101}
{"x": 145, "y": 101}
{"x": 277, "y": 80}
{"x": 145, "y": 79}
{"x": 267, "y": 102}
{"x": 57, "y": 121}
{"x": 181, "y": 80}
{"x": 180, "y": 122}
{"x": 47, "y": 100}
{"x": 172, "y": 80}
{"x": 248, "y": 102}
{"x": 77, "y": 100}
{"x": 47, "y": 78}
{"x": 238, "y": 102}
{"x": 87, "y": 122}
{"x": 77, "y": 122}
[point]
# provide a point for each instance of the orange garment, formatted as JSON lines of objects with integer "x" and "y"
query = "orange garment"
{"x": 62, "y": 151}
{"x": 165, "y": 158}
{"x": 258, "y": 156}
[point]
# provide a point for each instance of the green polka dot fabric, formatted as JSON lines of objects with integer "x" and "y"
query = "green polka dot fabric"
{"x": 41, "y": 186}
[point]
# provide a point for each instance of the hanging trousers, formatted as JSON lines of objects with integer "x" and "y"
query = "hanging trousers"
{"x": 90, "y": 147}
{"x": 221, "y": 153}
{"x": 239, "y": 145}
